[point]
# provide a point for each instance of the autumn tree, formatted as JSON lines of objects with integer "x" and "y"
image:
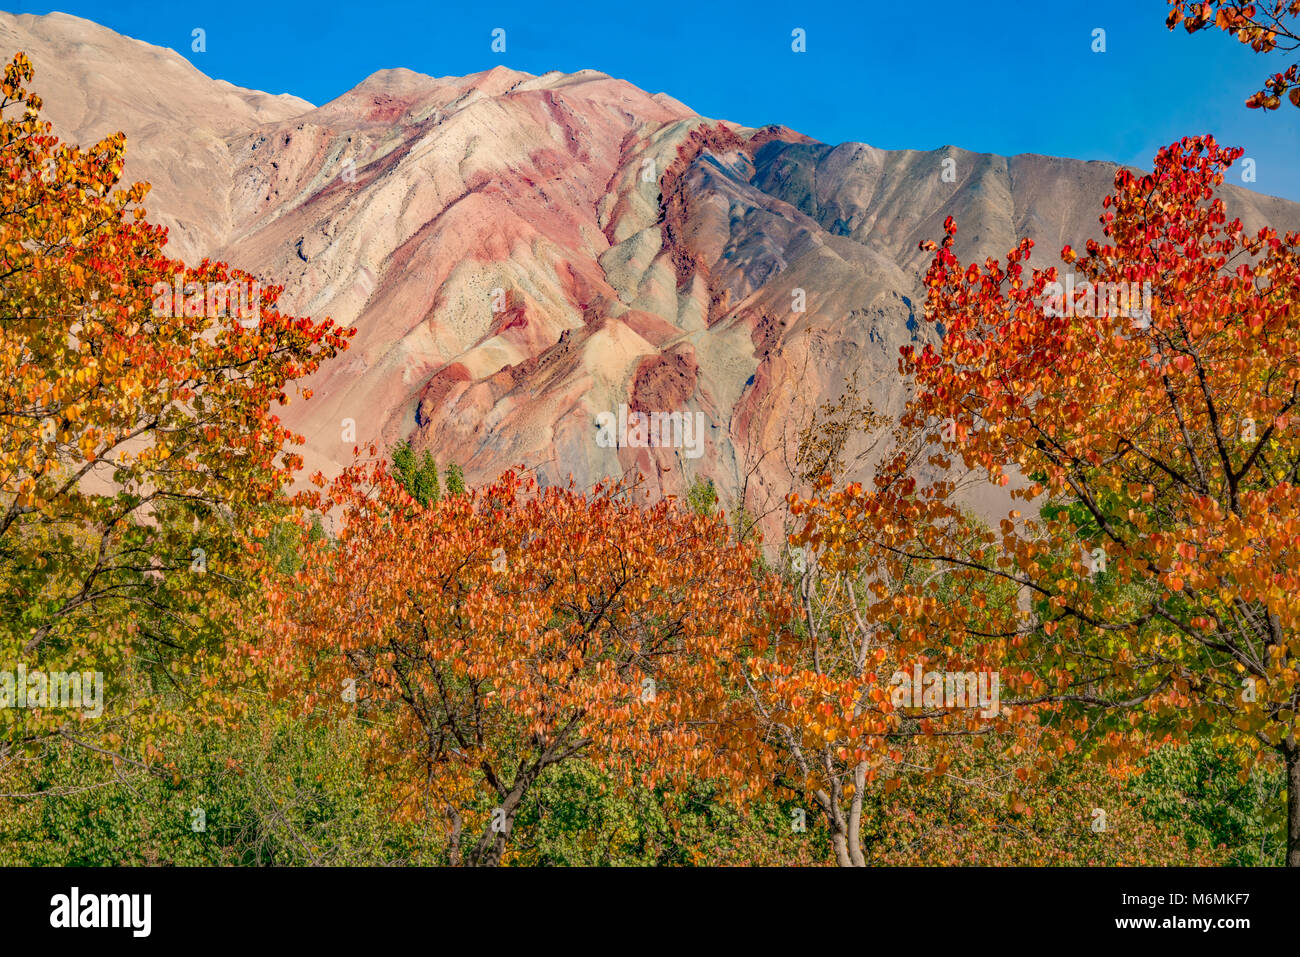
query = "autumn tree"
{"x": 827, "y": 694}
{"x": 870, "y": 626}
{"x": 1152, "y": 436}
{"x": 140, "y": 459}
{"x": 494, "y": 635}
{"x": 868, "y": 693}
{"x": 1265, "y": 26}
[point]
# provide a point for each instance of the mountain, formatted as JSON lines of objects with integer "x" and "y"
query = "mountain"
{"x": 521, "y": 255}
{"x": 95, "y": 82}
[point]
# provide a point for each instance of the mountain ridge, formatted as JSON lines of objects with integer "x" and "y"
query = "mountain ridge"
{"x": 520, "y": 253}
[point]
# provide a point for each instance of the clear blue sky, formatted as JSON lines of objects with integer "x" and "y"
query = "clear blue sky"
{"x": 1000, "y": 76}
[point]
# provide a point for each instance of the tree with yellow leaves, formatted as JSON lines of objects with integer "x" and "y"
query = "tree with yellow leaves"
{"x": 139, "y": 453}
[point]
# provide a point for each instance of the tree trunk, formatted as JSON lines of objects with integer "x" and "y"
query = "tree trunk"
{"x": 840, "y": 841}
{"x": 1291, "y": 754}
{"x": 844, "y": 835}
{"x": 835, "y": 823}
{"x": 856, "y": 857}
{"x": 453, "y": 836}
{"x": 492, "y": 845}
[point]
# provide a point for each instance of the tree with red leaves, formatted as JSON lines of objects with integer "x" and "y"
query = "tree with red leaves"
{"x": 1148, "y": 592}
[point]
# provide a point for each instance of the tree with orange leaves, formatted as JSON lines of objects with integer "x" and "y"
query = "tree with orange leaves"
{"x": 1148, "y": 416}
{"x": 493, "y": 635}
{"x": 828, "y": 693}
{"x": 854, "y": 698}
{"x": 1263, "y": 25}
{"x": 139, "y": 456}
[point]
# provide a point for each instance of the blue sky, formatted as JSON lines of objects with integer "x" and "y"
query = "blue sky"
{"x": 999, "y": 76}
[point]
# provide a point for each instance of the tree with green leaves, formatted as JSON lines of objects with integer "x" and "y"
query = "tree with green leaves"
{"x": 418, "y": 475}
{"x": 455, "y": 480}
